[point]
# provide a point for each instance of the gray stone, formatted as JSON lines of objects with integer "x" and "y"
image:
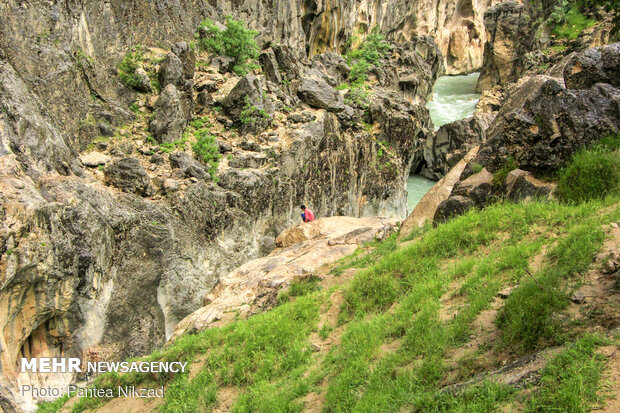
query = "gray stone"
{"x": 522, "y": 185}
{"x": 171, "y": 71}
{"x": 144, "y": 81}
{"x": 189, "y": 167}
{"x": 248, "y": 100}
{"x": 317, "y": 93}
{"x": 451, "y": 207}
{"x": 94, "y": 159}
{"x": 170, "y": 185}
{"x": 169, "y": 121}
{"x": 596, "y": 65}
{"x": 444, "y": 148}
{"x": 157, "y": 159}
{"x": 128, "y": 175}
{"x": 578, "y": 297}
{"x": 105, "y": 129}
{"x": 542, "y": 124}
{"x": 269, "y": 65}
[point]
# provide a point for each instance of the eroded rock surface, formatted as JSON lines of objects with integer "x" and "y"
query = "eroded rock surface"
{"x": 254, "y": 286}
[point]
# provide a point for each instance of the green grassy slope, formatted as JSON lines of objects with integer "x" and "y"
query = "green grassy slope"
{"x": 392, "y": 348}
{"x": 412, "y": 323}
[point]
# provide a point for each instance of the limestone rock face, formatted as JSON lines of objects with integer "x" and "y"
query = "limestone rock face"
{"x": 451, "y": 143}
{"x": 509, "y": 37}
{"x": 254, "y": 286}
{"x": 169, "y": 121}
{"x": 543, "y": 123}
{"x": 596, "y": 65}
{"x": 82, "y": 256}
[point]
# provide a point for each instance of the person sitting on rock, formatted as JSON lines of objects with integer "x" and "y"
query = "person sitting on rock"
{"x": 306, "y": 215}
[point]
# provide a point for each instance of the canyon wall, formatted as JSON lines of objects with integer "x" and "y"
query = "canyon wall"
{"x": 106, "y": 245}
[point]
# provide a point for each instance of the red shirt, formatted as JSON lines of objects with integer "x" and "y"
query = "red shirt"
{"x": 309, "y": 215}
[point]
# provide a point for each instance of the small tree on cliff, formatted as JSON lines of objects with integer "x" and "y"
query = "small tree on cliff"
{"x": 235, "y": 41}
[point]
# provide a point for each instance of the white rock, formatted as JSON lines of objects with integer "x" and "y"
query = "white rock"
{"x": 94, "y": 159}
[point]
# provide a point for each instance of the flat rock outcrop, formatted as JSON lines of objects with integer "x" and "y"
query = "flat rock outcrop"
{"x": 254, "y": 286}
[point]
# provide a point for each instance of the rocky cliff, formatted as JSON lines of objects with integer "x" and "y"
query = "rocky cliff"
{"x": 111, "y": 231}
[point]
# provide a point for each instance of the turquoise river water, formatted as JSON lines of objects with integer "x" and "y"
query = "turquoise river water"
{"x": 454, "y": 98}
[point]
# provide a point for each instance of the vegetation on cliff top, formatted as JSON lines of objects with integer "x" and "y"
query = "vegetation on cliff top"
{"x": 570, "y": 17}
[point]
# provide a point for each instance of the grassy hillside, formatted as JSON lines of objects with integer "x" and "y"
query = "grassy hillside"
{"x": 401, "y": 322}
{"x": 474, "y": 315}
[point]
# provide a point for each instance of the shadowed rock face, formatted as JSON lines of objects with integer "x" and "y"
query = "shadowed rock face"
{"x": 105, "y": 268}
{"x": 544, "y": 123}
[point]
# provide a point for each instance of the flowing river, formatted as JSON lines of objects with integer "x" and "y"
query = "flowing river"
{"x": 454, "y": 98}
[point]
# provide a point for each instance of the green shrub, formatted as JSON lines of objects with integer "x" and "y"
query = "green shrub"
{"x": 357, "y": 96}
{"x": 207, "y": 150}
{"x": 236, "y": 42}
{"x": 373, "y": 48}
{"x": 591, "y": 173}
{"x": 476, "y": 167}
{"x": 574, "y": 25}
{"x": 128, "y": 66}
{"x": 500, "y": 175}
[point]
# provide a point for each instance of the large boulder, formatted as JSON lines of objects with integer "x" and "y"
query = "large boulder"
{"x": 543, "y": 124}
{"x": 170, "y": 71}
{"x": 446, "y": 147}
{"x": 248, "y": 104}
{"x": 269, "y": 64}
{"x": 451, "y": 207}
{"x": 522, "y": 185}
{"x": 478, "y": 187}
{"x": 187, "y": 166}
{"x": 170, "y": 120}
{"x": 317, "y": 93}
{"x": 596, "y": 65}
{"x": 128, "y": 175}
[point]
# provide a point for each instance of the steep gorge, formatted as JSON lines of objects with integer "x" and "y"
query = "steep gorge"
{"x": 101, "y": 259}
{"x": 107, "y": 243}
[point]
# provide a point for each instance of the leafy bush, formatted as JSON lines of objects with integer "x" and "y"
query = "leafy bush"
{"x": 476, "y": 167}
{"x": 574, "y": 22}
{"x": 128, "y": 66}
{"x": 207, "y": 150}
{"x": 591, "y": 173}
{"x": 500, "y": 175}
{"x": 249, "y": 113}
{"x": 357, "y": 96}
{"x": 236, "y": 42}
{"x": 373, "y": 48}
